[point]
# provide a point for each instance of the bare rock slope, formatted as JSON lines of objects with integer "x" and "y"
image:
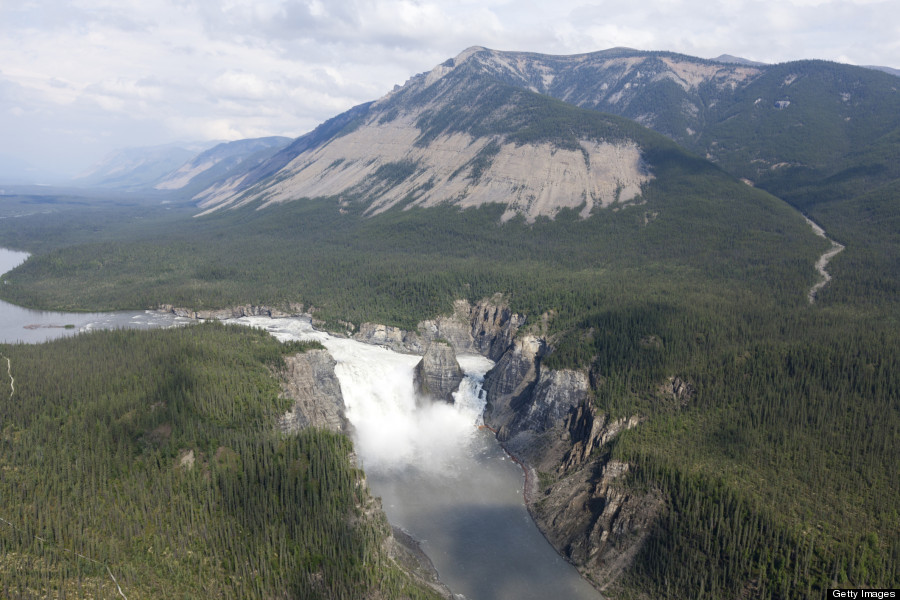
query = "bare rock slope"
{"x": 431, "y": 142}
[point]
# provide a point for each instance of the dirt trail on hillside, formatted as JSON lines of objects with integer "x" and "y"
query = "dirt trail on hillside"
{"x": 823, "y": 260}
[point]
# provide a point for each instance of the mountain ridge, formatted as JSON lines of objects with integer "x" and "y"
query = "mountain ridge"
{"x": 455, "y": 134}
{"x": 707, "y": 106}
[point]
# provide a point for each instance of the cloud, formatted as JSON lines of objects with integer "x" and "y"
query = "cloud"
{"x": 142, "y": 72}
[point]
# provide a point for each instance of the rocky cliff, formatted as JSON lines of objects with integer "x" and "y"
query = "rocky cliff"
{"x": 438, "y": 374}
{"x": 246, "y": 310}
{"x": 487, "y": 327}
{"x": 309, "y": 380}
{"x": 595, "y": 521}
{"x": 394, "y": 338}
{"x": 547, "y": 420}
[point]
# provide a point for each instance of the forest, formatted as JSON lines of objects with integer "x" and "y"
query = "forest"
{"x": 150, "y": 462}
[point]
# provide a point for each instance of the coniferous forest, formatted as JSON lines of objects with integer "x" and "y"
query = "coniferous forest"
{"x": 150, "y": 461}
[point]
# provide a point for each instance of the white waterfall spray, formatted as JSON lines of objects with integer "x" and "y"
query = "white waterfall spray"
{"x": 391, "y": 429}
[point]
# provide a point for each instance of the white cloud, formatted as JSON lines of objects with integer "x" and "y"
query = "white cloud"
{"x": 136, "y": 72}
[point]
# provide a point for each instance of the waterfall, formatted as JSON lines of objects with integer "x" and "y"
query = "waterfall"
{"x": 393, "y": 430}
{"x": 443, "y": 480}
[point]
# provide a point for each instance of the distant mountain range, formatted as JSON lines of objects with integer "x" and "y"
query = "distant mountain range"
{"x": 183, "y": 167}
{"x": 139, "y": 168}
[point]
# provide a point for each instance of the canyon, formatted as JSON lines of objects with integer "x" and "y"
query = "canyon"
{"x": 544, "y": 418}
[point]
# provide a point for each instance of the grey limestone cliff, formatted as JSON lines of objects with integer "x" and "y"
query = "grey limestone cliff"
{"x": 246, "y": 310}
{"x": 438, "y": 374}
{"x": 510, "y": 383}
{"x": 546, "y": 418}
{"x": 487, "y": 328}
{"x": 310, "y": 381}
{"x": 398, "y": 340}
{"x": 533, "y": 423}
{"x": 595, "y": 521}
{"x": 494, "y": 327}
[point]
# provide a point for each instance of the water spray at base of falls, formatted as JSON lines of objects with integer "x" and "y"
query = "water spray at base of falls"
{"x": 392, "y": 428}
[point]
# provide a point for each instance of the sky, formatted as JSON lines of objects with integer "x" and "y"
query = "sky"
{"x": 81, "y": 78}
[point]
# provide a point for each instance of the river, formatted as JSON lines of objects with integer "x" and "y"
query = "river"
{"x": 441, "y": 478}
{"x": 19, "y": 324}
{"x": 824, "y": 276}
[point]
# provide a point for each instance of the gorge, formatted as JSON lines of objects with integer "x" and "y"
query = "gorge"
{"x": 442, "y": 479}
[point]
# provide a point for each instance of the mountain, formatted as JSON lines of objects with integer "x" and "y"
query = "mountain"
{"x": 467, "y": 131}
{"x": 752, "y": 119}
{"x": 728, "y": 58}
{"x": 185, "y": 168}
{"x": 890, "y": 70}
{"x": 139, "y": 168}
{"x": 218, "y": 162}
{"x": 461, "y": 134}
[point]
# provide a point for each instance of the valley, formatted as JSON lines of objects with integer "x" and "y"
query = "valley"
{"x": 701, "y": 385}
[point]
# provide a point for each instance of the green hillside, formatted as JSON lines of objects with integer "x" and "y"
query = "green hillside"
{"x": 153, "y": 457}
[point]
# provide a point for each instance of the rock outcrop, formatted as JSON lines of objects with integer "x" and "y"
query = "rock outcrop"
{"x": 533, "y": 424}
{"x": 398, "y": 340}
{"x": 678, "y": 390}
{"x": 597, "y": 523}
{"x": 547, "y": 420}
{"x": 247, "y": 310}
{"x": 494, "y": 327}
{"x": 487, "y": 328}
{"x": 456, "y": 328}
{"x": 589, "y": 432}
{"x": 438, "y": 374}
{"x": 510, "y": 382}
{"x": 310, "y": 381}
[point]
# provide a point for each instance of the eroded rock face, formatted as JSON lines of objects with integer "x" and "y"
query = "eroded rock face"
{"x": 595, "y": 521}
{"x": 310, "y": 381}
{"x": 454, "y": 328}
{"x": 590, "y": 431}
{"x": 510, "y": 382}
{"x": 438, "y": 374}
{"x": 398, "y": 340}
{"x": 487, "y": 328}
{"x": 493, "y": 328}
{"x": 531, "y": 179}
{"x": 235, "y": 312}
{"x": 678, "y": 390}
